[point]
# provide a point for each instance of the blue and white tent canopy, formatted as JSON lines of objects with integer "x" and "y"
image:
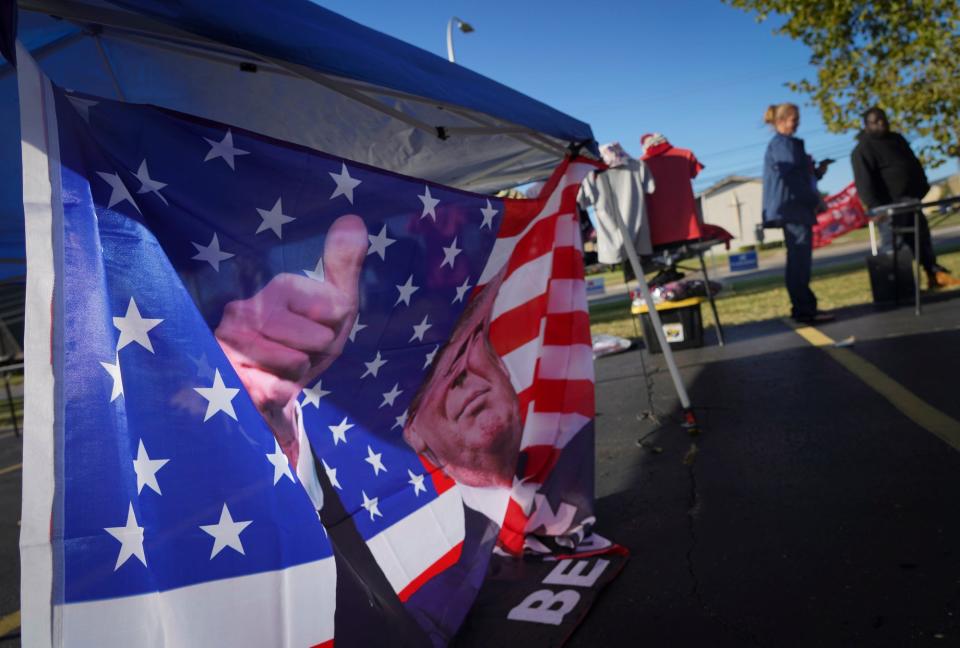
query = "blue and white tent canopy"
{"x": 292, "y": 70}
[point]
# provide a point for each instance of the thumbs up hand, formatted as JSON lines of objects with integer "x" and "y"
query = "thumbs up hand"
{"x": 286, "y": 335}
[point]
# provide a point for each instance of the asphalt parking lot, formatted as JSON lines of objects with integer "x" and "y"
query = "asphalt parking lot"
{"x": 817, "y": 507}
{"x": 10, "y": 453}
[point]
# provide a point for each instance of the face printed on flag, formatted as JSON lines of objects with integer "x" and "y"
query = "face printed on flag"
{"x": 465, "y": 417}
{"x": 241, "y": 300}
{"x": 238, "y": 318}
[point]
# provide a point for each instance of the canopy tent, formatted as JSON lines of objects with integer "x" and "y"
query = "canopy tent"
{"x": 288, "y": 69}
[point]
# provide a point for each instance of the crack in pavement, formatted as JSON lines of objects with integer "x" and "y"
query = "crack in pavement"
{"x": 690, "y": 460}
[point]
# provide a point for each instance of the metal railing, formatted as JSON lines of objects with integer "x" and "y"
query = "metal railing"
{"x": 910, "y": 206}
{"x": 7, "y": 370}
{"x": 916, "y": 208}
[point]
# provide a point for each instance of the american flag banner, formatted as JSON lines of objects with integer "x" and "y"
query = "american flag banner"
{"x": 267, "y": 383}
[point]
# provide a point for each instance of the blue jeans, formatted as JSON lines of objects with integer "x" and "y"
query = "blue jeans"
{"x": 799, "y": 241}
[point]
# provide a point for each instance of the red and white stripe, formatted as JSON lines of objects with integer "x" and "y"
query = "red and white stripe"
{"x": 421, "y": 545}
{"x": 541, "y": 330}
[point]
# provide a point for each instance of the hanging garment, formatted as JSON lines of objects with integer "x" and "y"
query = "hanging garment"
{"x": 619, "y": 190}
{"x": 673, "y": 210}
{"x": 613, "y": 154}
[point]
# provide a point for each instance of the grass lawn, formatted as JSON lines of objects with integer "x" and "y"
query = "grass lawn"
{"x": 764, "y": 299}
{"x": 610, "y": 277}
{"x": 718, "y": 258}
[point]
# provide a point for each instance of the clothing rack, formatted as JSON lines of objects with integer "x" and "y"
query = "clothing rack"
{"x": 669, "y": 257}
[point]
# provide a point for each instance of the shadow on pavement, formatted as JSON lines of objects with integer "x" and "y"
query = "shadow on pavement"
{"x": 809, "y": 512}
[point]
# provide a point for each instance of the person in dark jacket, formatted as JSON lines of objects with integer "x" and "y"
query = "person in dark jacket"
{"x": 791, "y": 201}
{"x": 886, "y": 171}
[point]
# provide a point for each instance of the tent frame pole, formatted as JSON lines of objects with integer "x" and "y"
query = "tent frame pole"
{"x": 525, "y": 135}
{"x": 654, "y": 317}
{"x": 109, "y": 68}
{"x": 142, "y": 30}
{"x": 42, "y": 52}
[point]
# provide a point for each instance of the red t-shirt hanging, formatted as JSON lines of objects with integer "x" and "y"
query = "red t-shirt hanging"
{"x": 671, "y": 208}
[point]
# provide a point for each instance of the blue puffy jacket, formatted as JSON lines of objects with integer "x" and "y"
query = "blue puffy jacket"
{"x": 789, "y": 186}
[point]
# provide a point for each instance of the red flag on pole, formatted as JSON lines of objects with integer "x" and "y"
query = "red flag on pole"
{"x": 844, "y": 214}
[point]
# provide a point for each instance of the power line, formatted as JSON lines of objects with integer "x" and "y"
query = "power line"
{"x": 695, "y": 88}
{"x": 754, "y": 145}
{"x": 746, "y": 159}
{"x": 757, "y": 169}
{"x": 755, "y": 164}
{"x": 744, "y": 156}
{"x": 836, "y": 150}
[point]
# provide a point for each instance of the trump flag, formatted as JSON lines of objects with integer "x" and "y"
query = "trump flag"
{"x": 844, "y": 213}
{"x": 277, "y": 397}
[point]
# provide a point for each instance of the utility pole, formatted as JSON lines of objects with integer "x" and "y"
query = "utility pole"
{"x": 736, "y": 204}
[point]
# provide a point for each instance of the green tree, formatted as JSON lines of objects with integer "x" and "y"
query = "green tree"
{"x": 901, "y": 55}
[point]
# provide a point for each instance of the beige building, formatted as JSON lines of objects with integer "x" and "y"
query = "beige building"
{"x": 736, "y": 204}
{"x": 943, "y": 188}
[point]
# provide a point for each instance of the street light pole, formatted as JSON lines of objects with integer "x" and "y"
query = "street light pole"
{"x": 465, "y": 27}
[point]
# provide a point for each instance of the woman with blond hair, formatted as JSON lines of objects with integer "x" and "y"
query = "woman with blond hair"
{"x": 791, "y": 201}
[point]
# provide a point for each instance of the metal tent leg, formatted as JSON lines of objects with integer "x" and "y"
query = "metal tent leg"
{"x": 713, "y": 304}
{"x": 916, "y": 260}
{"x": 13, "y": 409}
{"x": 689, "y": 420}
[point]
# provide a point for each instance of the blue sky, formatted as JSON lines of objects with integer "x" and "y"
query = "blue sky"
{"x": 700, "y": 72}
